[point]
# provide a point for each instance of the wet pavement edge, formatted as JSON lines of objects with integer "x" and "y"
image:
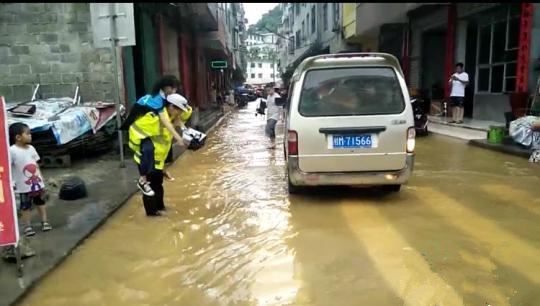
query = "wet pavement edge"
{"x": 76, "y": 228}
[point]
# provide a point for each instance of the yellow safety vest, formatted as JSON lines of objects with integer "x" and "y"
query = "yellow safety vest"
{"x": 150, "y": 126}
{"x": 184, "y": 117}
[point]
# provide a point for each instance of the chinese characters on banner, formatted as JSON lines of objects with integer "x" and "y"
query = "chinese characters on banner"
{"x": 9, "y": 229}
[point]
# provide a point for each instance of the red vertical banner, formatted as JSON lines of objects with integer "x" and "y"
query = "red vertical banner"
{"x": 450, "y": 46}
{"x": 9, "y": 229}
{"x": 522, "y": 73}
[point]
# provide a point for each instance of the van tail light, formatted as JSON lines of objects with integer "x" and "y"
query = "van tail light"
{"x": 411, "y": 141}
{"x": 292, "y": 142}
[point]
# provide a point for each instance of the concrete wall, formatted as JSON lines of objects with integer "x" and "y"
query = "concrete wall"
{"x": 51, "y": 43}
{"x": 491, "y": 107}
{"x": 170, "y": 51}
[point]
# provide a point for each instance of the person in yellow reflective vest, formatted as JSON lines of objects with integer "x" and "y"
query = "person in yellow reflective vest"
{"x": 151, "y": 141}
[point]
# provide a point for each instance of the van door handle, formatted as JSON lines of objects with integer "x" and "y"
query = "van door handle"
{"x": 353, "y": 130}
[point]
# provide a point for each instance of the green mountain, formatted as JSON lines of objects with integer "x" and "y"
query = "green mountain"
{"x": 269, "y": 21}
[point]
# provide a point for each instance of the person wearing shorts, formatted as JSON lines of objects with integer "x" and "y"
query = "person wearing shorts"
{"x": 272, "y": 114}
{"x": 27, "y": 178}
{"x": 458, "y": 81}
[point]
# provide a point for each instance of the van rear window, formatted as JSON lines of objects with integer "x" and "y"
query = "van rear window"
{"x": 351, "y": 92}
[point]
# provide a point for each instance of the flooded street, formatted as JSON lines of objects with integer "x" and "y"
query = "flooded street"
{"x": 464, "y": 231}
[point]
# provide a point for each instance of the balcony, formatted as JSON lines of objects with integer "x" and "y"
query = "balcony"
{"x": 206, "y": 15}
{"x": 371, "y": 16}
{"x": 216, "y": 41}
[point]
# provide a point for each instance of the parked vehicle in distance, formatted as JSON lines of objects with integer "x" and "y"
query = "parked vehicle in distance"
{"x": 349, "y": 121}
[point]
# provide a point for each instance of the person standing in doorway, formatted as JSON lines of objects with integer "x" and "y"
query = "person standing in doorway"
{"x": 458, "y": 81}
{"x": 272, "y": 114}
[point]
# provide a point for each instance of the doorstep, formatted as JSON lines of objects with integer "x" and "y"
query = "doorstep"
{"x": 507, "y": 146}
{"x": 472, "y": 124}
{"x": 470, "y": 128}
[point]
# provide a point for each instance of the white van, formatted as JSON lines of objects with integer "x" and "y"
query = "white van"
{"x": 349, "y": 121}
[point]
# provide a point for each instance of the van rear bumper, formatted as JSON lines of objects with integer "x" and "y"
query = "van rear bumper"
{"x": 396, "y": 177}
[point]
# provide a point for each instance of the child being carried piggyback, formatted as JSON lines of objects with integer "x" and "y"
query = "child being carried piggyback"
{"x": 27, "y": 179}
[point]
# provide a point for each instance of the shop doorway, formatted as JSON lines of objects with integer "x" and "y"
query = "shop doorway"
{"x": 433, "y": 55}
{"x": 470, "y": 67}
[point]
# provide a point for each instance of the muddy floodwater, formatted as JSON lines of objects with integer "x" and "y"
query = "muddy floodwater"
{"x": 464, "y": 231}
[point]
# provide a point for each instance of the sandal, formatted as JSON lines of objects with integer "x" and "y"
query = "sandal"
{"x": 29, "y": 231}
{"x": 45, "y": 226}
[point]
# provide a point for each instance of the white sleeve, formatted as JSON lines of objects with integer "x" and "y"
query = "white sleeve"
{"x": 466, "y": 77}
{"x": 35, "y": 153}
{"x": 12, "y": 157}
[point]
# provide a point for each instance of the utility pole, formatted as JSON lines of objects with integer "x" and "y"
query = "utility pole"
{"x": 113, "y": 39}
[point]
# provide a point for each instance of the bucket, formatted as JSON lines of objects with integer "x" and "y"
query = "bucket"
{"x": 495, "y": 134}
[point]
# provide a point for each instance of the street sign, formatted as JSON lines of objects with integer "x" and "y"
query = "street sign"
{"x": 9, "y": 228}
{"x": 102, "y": 27}
{"x": 219, "y": 64}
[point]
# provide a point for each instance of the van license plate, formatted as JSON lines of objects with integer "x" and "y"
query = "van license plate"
{"x": 352, "y": 141}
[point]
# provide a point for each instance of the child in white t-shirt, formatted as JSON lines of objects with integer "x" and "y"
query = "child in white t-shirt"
{"x": 27, "y": 179}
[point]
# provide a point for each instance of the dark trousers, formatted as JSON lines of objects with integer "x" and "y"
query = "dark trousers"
{"x": 155, "y": 203}
{"x": 153, "y": 176}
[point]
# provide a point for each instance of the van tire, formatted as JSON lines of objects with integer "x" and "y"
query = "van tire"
{"x": 293, "y": 189}
{"x": 392, "y": 188}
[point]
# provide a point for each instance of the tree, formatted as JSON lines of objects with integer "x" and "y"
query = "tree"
{"x": 269, "y": 21}
{"x": 254, "y": 53}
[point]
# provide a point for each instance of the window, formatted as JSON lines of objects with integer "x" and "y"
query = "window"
{"x": 260, "y": 75}
{"x": 253, "y": 75}
{"x": 313, "y": 27}
{"x": 497, "y": 52}
{"x": 351, "y": 92}
{"x": 298, "y": 38}
{"x": 336, "y": 15}
{"x": 303, "y": 31}
{"x": 307, "y": 25}
{"x": 271, "y": 75}
{"x": 260, "y": 65}
{"x": 297, "y": 9}
{"x": 292, "y": 45}
{"x": 325, "y": 16}
{"x": 252, "y": 65}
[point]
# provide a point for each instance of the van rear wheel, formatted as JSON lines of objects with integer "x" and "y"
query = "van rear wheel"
{"x": 293, "y": 189}
{"x": 392, "y": 188}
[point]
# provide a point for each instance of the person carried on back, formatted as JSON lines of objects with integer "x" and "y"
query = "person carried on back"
{"x": 154, "y": 102}
{"x": 151, "y": 142}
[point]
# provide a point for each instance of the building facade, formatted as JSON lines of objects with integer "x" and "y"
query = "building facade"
{"x": 52, "y": 44}
{"x": 262, "y": 66}
{"x": 309, "y": 29}
{"x": 499, "y": 43}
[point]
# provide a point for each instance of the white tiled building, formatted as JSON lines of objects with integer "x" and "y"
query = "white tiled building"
{"x": 263, "y": 68}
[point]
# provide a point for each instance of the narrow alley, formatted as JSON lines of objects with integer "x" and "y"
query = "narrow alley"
{"x": 464, "y": 231}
